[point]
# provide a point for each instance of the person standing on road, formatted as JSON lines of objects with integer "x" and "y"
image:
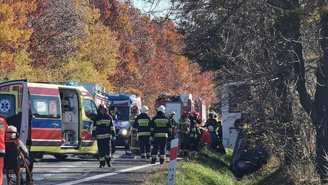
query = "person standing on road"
{"x": 134, "y": 136}
{"x": 184, "y": 133}
{"x": 105, "y": 132}
{"x": 142, "y": 127}
{"x": 161, "y": 130}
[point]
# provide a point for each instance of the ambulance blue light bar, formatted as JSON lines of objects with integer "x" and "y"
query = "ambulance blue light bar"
{"x": 72, "y": 83}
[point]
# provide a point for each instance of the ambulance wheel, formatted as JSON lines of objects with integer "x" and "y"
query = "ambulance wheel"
{"x": 60, "y": 157}
{"x": 36, "y": 156}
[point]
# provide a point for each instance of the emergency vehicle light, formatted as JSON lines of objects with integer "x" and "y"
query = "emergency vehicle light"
{"x": 72, "y": 83}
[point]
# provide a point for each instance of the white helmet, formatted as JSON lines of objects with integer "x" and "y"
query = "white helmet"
{"x": 161, "y": 109}
{"x": 210, "y": 128}
{"x": 144, "y": 109}
{"x": 172, "y": 113}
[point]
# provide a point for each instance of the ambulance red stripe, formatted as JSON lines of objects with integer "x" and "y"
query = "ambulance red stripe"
{"x": 43, "y": 91}
{"x": 50, "y": 134}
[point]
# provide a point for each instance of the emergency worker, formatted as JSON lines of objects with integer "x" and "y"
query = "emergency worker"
{"x": 105, "y": 132}
{"x": 134, "y": 136}
{"x": 160, "y": 131}
{"x": 142, "y": 127}
{"x": 183, "y": 133}
{"x": 194, "y": 131}
{"x": 3, "y": 127}
{"x": 174, "y": 126}
{"x": 212, "y": 121}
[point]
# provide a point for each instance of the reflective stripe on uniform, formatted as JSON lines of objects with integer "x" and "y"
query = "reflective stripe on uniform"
{"x": 161, "y": 122}
{"x": 108, "y": 156}
{"x": 113, "y": 128}
{"x": 101, "y": 158}
{"x": 193, "y": 129}
{"x": 143, "y": 122}
{"x": 191, "y": 135}
{"x": 103, "y": 121}
{"x": 103, "y": 136}
{"x": 162, "y": 156}
{"x": 160, "y": 135}
{"x": 143, "y": 133}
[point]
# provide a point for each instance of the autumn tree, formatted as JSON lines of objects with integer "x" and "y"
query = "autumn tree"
{"x": 14, "y": 36}
{"x": 56, "y": 24}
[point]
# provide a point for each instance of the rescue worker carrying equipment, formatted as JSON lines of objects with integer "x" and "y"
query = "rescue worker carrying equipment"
{"x": 160, "y": 130}
{"x": 134, "y": 137}
{"x": 184, "y": 133}
{"x": 142, "y": 127}
{"x": 105, "y": 132}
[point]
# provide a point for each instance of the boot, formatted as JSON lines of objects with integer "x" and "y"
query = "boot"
{"x": 161, "y": 161}
{"x": 109, "y": 164}
{"x": 153, "y": 161}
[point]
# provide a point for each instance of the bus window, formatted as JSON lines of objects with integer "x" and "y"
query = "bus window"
{"x": 45, "y": 106}
{"x": 89, "y": 107}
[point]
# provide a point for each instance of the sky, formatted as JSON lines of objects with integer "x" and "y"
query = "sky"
{"x": 145, "y": 7}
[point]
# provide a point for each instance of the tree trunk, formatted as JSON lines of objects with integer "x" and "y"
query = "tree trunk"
{"x": 321, "y": 103}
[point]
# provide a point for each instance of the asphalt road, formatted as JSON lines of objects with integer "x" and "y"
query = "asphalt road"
{"x": 126, "y": 169}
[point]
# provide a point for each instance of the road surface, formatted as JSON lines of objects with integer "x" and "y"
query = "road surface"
{"x": 126, "y": 169}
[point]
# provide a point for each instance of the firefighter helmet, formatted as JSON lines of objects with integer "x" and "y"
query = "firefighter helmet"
{"x": 210, "y": 128}
{"x": 161, "y": 109}
{"x": 172, "y": 113}
{"x": 144, "y": 109}
{"x": 195, "y": 114}
{"x": 185, "y": 113}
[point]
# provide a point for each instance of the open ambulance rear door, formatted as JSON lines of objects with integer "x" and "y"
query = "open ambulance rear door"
{"x": 14, "y": 105}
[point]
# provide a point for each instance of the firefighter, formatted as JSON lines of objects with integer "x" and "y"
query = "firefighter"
{"x": 142, "y": 127}
{"x": 183, "y": 133}
{"x": 174, "y": 126}
{"x": 160, "y": 131}
{"x": 3, "y": 126}
{"x": 212, "y": 120}
{"x": 194, "y": 131}
{"x": 105, "y": 132}
{"x": 134, "y": 136}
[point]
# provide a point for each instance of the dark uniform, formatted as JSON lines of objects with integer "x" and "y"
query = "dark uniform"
{"x": 142, "y": 127}
{"x": 194, "y": 132}
{"x": 174, "y": 127}
{"x": 184, "y": 134}
{"x": 134, "y": 136}
{"x": 161, "y": 130}
{"x": 105, "y": 130}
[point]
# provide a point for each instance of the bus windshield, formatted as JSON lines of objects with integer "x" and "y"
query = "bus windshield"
{"x": 122, "y": 113}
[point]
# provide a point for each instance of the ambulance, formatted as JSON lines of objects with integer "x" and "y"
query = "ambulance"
{"x": 51, "y": 119}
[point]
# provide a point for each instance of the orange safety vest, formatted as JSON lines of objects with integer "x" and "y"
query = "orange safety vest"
{"x": 3, "y": 127}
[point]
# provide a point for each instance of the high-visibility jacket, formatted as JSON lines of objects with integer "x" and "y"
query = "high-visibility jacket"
{"x": 160, "y": 126}
{"x": 105, "y": 127}
{"x": 142, "y": 125}
{"x": 184, "y": 126}
{"x": 3, "y": 127}
{"x": 132, "y": 118}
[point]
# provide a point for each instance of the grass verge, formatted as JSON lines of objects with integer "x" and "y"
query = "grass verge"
{"x": 211, "y": 168}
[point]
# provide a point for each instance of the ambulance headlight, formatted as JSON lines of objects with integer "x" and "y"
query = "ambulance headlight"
{"x": 124, "y": 132}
